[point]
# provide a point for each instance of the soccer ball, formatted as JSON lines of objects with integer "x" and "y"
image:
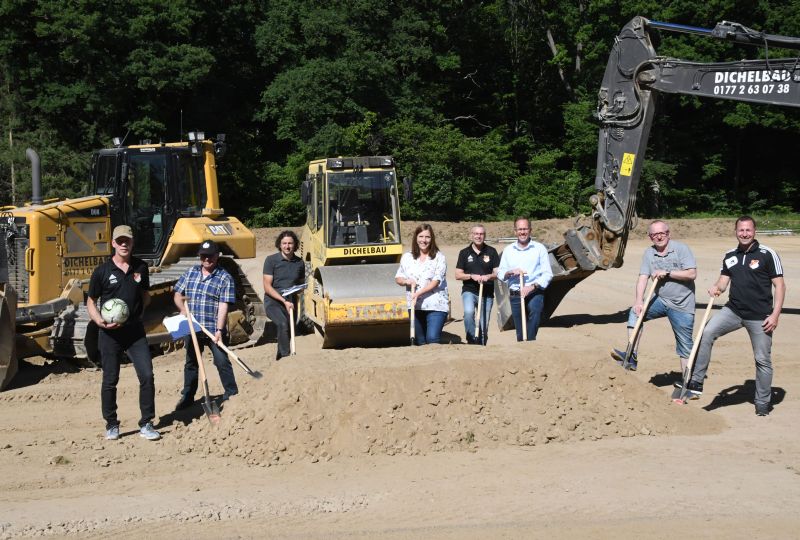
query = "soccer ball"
{"x": 115, "y": 311}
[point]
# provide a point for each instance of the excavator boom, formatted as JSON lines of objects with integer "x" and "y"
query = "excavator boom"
{"x": 634, "y": 77}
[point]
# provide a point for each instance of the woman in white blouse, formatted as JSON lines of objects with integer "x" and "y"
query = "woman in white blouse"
{"x": 423, "y": 270}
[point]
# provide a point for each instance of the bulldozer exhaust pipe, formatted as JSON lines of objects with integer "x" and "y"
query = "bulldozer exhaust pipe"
{"x": 36, "y": 176}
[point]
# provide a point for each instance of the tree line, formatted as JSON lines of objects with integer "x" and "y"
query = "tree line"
{"x": 487, "y": 106}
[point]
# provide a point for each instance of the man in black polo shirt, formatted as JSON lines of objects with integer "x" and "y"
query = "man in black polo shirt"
{"x": 125, "y": 277}
{"x": 477, "y": 263}
{"x": 752, "y": 270}
{"x": 281, "y": 271}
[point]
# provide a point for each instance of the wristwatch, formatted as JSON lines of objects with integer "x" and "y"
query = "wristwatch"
{"x": 668, "y": 274}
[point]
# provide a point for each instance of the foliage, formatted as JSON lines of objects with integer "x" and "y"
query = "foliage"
{"x": 487, "y": 106}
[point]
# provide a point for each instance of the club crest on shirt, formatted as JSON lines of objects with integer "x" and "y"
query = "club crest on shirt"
{"x": 486, "y": 258}
{"x": 730, "y": 261}
{"x": 754, "y": 264}
{"x": 137, "y": 277}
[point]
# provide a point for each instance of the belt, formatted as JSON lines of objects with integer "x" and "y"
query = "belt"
{"x": 513, "y": 293}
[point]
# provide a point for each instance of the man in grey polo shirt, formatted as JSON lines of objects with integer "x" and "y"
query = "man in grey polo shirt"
{"x": 672, "y": 264}
{"x": 282, "y": 270}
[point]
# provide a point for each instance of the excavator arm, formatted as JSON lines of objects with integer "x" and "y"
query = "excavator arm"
{"x": 634, "y": 76}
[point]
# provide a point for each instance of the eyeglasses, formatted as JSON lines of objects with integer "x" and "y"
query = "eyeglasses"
{"x": 207, "y": 256}
{"x": 659, "y": 234}
{"x": 522, "y": 229}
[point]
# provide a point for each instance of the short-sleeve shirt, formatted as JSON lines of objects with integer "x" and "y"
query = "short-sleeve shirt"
{"x": 109, "y": 281}
{"x": 423, "y": 272}
{"x": 285, "y": 272}
{"x": 676, "y": 294}
{"x": 206, "y": 292}
{"x": 481, "y": 263}
{"x": 751, "y": 274}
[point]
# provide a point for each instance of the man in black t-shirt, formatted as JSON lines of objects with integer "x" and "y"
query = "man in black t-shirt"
{"x": 752, "y": 270}
{"x": 282, "y": 271}
{"x": 125, "y": 277}
{"x": 477, "y": 263}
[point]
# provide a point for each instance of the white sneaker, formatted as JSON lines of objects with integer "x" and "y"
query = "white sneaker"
{"x": 148, "y": 432}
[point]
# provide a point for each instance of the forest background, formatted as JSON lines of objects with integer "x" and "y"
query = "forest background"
{"x": 487, "y": 106}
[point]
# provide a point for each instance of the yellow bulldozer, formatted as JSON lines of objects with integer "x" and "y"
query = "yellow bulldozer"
{"x": 167, "y": 192}
{"x": 351, "y": 247}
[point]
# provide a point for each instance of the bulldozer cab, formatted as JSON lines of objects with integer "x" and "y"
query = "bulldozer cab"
{"x": 150, "y": 187}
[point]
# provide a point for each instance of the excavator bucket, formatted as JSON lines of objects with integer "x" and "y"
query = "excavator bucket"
{"x": 8, "y": 358}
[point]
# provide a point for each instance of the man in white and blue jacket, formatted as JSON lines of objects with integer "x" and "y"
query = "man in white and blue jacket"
{"x": 529, "y": 259}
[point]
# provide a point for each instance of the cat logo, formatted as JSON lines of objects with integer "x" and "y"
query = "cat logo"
{"x": 219, "y": 230}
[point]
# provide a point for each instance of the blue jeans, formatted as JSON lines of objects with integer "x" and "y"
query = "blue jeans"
{"x": 190, "y": 368}
{"x": 681, "y": 322}
{"x": 470, "y": 301}
{"x": 428, "y": 326}
{"x": 534, "y": 304}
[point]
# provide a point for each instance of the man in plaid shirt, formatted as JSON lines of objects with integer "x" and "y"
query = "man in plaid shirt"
{"x": 209, "y": 289}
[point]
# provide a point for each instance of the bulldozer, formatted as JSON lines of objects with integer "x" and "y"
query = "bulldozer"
{"x": 352, "y": 248}
{"x": 168, "y": 194}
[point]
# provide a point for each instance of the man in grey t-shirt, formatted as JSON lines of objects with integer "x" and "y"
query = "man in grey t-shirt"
{"x": 672, "y": 264}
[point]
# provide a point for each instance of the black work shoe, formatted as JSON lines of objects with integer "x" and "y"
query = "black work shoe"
{"x": 184, "y": 403}
{"x": 762, "y": 409}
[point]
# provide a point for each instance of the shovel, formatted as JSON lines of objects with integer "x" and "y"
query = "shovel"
{"x": 292, "y": 346}
{"x": 230, "y": 353}
{"x": 679, "y": 394}
{"x": 209, "y": 406}
{"x": 522, "y": 307}
{"x": 480, "y": 308}
{"x": 626, "y": 363}
{"x": 413, "y": 325}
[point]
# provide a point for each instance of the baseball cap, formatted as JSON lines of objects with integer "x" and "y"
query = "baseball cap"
{"x": 208, "y": 247}
{"x": 122, "y": 230}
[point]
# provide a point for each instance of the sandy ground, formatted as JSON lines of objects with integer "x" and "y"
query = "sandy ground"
{"x": 513, "y": 440}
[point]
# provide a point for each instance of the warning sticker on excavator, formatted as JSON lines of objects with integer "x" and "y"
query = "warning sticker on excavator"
{"x": 627, "y": 164}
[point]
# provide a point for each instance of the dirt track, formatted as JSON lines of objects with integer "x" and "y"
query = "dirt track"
{"x": 512, "y": 440}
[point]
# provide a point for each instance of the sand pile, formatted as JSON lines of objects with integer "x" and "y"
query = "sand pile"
{"x": 335, "y": 404}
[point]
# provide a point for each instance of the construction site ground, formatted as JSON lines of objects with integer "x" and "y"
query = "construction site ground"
{"x": 531, "y": 440}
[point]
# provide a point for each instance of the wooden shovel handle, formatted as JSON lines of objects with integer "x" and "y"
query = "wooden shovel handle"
{"x": 197, "y": 352}
{"x": 522, "y": 307}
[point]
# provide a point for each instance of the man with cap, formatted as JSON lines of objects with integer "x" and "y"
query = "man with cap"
{"x": 209, "y": 290}
{"x": 125, "y": 277}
